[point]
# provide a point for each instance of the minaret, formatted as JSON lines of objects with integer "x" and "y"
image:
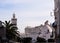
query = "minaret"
{"x": 14, "y": 20}
{"x": 57, "y": 19}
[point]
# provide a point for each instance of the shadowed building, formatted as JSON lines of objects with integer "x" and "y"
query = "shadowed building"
{"x": 57, "y": 18}
{"x": 57, "y": 15}
{"x": 2, "y": 33}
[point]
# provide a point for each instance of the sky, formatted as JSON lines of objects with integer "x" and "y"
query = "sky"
{"x": 28, "y": 12}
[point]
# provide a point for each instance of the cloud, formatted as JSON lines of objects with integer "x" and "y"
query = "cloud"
{"x": 15, "y": 1}
{"x": 25, "y": 4}
{"x": 36, "y": 2}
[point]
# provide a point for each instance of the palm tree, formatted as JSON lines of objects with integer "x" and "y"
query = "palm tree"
{"x": 11, "y": 31}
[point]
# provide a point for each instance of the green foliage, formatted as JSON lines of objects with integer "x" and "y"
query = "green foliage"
{"x": 51, "y": 40}
{"x": 54, "y": 25}
{"x": 11, "y": 31}
{"x": 58, "y": 36}
{"x": 39, "y": 39}
{"x": 27, "y": 40}
{"x": 18, "y": 39}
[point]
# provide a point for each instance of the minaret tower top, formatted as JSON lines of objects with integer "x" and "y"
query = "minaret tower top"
{"x": 14, "y": 15}
{"x": 14, "y": 20}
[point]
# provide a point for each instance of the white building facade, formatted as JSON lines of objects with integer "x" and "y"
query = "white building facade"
{"x": 43, "y": 31}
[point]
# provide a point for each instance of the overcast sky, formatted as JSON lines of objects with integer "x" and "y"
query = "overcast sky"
{"x": 28, "y": 12}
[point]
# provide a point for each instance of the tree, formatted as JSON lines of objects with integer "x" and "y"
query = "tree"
{"x": 27, "y": 40}
{"x": 11, "y": 31}
{"x": 51, "y": 40}
{"x": 39, "y": 39}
